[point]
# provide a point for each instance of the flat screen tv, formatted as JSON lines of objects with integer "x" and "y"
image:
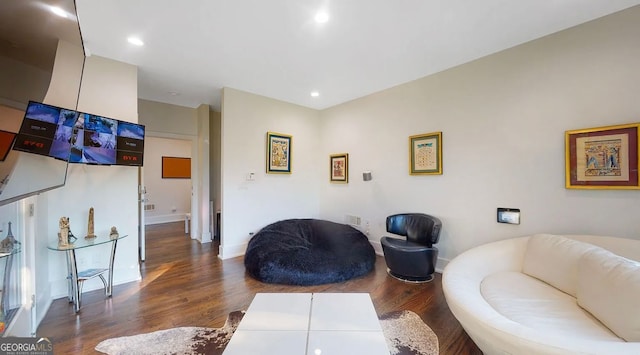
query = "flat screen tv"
{"x": 106, "y": 141}
{"x": 22, "y": 173}
{"x": 46, "y": 130}
{"x": 94, "y": 140}
{"x": 130, "y": 147}
{"x": 79, "y": 137}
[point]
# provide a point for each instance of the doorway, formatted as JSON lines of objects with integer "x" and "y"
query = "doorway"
{"x": 162, "y": 199}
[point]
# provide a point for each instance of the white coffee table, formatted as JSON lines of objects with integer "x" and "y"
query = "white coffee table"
{"x": 309, "y": 323}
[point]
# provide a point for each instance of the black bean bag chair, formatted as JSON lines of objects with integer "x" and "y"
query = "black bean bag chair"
{"x": 308, "y": 252}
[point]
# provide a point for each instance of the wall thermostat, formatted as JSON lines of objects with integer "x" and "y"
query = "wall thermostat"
{"x": 509, "y": 215}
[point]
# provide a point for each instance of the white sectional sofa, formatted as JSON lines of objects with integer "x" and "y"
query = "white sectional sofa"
{"x": 549, "y": 294}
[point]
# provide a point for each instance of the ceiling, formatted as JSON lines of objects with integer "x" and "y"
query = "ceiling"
{"x": 194, "y": 48}
{"x": 29, "y": 33}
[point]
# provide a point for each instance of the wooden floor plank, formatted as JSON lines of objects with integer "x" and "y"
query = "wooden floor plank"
{"x": 185, "y": 284}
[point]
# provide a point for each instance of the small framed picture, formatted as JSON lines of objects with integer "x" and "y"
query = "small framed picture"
{"x": 602, "y": 158}
{"x": 278, "y": 153}
{"x": 425, "y": 154}
{"x": 6, "y": 142}
{"x": 339, "y": 168}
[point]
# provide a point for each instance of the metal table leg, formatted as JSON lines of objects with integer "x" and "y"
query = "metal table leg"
{"x": 73, "y": 270}
{"x": 109, "y": 288}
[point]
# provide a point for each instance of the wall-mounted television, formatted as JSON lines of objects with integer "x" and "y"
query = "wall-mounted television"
{"x": 130, "y": 147}
{"x": 46, "y": 130}
{"x": 106, "y": 141}
{"x": 79, "y": 137}
{"x": 94, "y": 140}
{"x": 23, "y": 174}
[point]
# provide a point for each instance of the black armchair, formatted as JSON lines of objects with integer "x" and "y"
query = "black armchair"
{"x": 414, "y": 258}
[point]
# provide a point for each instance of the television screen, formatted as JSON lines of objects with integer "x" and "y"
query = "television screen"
{"x": 94, "y": 140}
{"x": 106, "y": 141}
{"x": 79, "y": 137}
{"x": 130, "y": 144}
{"x": 46, "y": 130}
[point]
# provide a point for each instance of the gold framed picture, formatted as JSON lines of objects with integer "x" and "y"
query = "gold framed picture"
{"x": 339, "y": 168}
{"x": 425, "y": 154}
{"x": 602, "y": 157}
{"x": 278, "y": 153}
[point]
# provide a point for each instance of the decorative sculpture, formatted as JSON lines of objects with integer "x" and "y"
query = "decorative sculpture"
{"x": 63, "y": 235}
{"x": 90, "y": 230}
{"x": 114, "y": 233}
{"x": 7, "y": 244}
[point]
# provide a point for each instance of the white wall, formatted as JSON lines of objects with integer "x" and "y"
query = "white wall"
{"x": 167, "y": 118}
{"x": 170, "y": 197}
{"x": 42, "y": 226}
{"x": 66, "y": 77}
{"x": 172, "y": 121}
{"x": 109, "y": 88}
{"x": 201, "y": 223}
{"x": 248, "y": 206}
{"x": 503, "y": 119}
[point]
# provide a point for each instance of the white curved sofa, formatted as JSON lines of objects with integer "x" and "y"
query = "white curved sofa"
{"x": 549, "y": 294}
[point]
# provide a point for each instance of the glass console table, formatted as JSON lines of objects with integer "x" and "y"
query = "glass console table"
{"x": 77, "y": 278}
{"x": 8, "y": 258}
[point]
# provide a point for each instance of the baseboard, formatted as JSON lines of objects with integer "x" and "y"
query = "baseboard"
{"x": 228, "y": 252}
{"x": 176, "y": 217}
{"x": 441, "y": 264}
{"x": 239, "y": 250}
{"x": 377, "y": 247}
{"x": 206, "y": 238}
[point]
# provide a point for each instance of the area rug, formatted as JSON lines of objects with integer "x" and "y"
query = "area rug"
{"x": 405, "y": 332}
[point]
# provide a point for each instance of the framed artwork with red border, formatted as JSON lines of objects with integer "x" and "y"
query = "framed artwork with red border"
{"x": 6, "y": 142}
{"x": 339, "y": 168}
{"x": 602, "y": 157}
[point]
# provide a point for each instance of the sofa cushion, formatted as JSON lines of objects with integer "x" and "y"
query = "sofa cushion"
{"x": 609, "y": 288}
{"x": 554, "y": 260}
{"x": 536, "y": 305}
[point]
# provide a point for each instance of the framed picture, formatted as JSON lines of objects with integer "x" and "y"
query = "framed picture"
{"x": 6, "y": 142}
{"x": 278, "y": 153}
{"x": 339, "y": 168}
{"x": 425, "y": 154}
{"x": 602, "y": 157}
{"x": 176, "y": 168}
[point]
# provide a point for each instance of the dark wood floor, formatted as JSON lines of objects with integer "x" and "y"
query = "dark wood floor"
{"x": 185, "y": 284}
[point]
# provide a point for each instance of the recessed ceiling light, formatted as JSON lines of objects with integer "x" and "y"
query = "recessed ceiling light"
{"x": 174, "y": 93}
{"x": 315, "y": 94}
{"x": 321, "y": 17}
{"x": 135, "y": 41}
{"x": 58, "y": 11}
